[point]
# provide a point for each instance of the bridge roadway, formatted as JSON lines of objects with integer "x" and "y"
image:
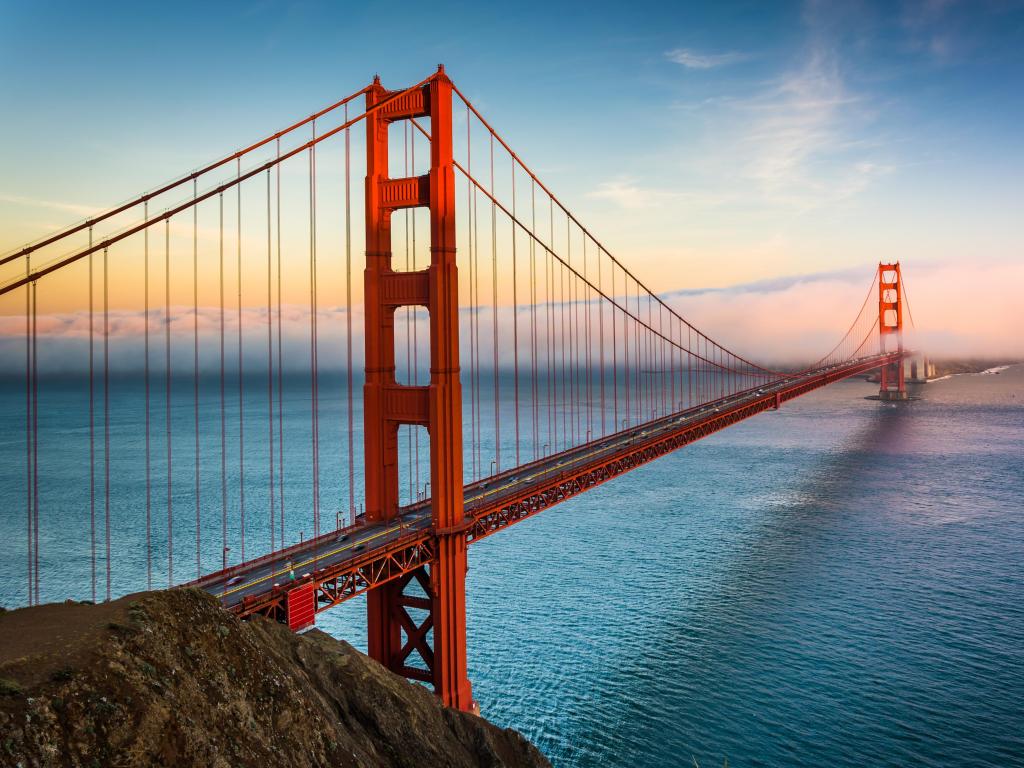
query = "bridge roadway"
{"x": 348, "y": 561}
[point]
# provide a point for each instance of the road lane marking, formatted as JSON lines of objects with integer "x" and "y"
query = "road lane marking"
{"x": 626, "y": 440}
{"x": 301, "y": 565}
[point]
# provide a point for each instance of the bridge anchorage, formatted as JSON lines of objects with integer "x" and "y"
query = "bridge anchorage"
{"x": 577, "y": 373}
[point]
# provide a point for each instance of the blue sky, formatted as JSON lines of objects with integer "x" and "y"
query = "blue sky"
{"x": 712, "y": 145}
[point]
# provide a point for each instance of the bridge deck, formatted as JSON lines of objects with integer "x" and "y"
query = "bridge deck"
{"x": 346, "y": 562}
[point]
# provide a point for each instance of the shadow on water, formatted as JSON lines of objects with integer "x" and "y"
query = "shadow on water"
{"x": 682, "y": 675}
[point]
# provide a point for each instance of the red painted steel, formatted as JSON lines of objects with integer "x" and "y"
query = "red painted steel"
{"x": 168, "y": 214}
{"x": 529, "y": 499}
{"x": 375, "y": 568}
{"x": 411, "y": 561}
{"x": 387, "y": 404}
{"x": 301, "y": 606}
{"x": 890, "y": 324}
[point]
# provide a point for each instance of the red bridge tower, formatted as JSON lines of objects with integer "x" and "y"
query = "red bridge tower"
{"x": 393, "y": 633}
{"x": 890, "y": 324}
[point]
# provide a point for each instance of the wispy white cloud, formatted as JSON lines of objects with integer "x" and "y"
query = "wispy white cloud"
{"x": 792, "y": 141}
{"x": 695, "y": 60}
{"x": 803, "y": 139}
{"x": 800, "y": 133}
{"x": 629, "y": 194}
{"x": 53, "y": 205}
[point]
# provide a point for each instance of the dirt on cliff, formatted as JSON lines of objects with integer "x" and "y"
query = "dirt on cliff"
{"x": 170, "y": 679}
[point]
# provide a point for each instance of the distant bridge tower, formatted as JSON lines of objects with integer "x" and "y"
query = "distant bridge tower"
{"x": 394, "y": 635}
{"x": 890, "y": 329}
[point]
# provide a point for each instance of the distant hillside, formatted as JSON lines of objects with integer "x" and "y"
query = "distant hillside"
{"x": 968, "y": 365}
{"x": 170, "y": 679}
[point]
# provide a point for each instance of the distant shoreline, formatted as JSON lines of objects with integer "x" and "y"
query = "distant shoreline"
{"x": 944, "y": 368}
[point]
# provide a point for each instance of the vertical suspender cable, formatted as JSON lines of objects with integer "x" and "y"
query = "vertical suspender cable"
{"x": 622, "y": 418}
{"x": 92, "y": 426}
{"x": 494, "y": 319}
{"x": 709, "y": 381}
{"x": 557, "y": 350}
{"x": 35, "y": 441}
{"x": 223, "y": 417}
{"x": 645, "y": 347}
{"x": 149, "y": 491}
{"x": 674, "y": 356}
{"x": 548, "y": 352}
{"x": 628, "y": 331}
{"x": 590, "y": 352}
{"x": 549, "y": 346}
{"x": 701, "y": 370}
{"x": 590, "y": 336}
{"x": 406, "y": 128}
{"x": 651, "y": 350}
{"x": 106, "y": 414}
{"x": 625, "y": 346}
{"x": 668, "y": 360}
{"x": 415, "y": 329}
{"x": 649, "y": 361}
{"x": 533, "y": 317}
{"x": 470, "y": 191}
{"x": 582, "y": 357}
{"x": 348, "y": 325}
{"x": 280, "y": 352}
{"x": 600, "y": 341}
{"x": 566, "y": 391}
{"x": 167, "y": 395}
{"x": 28, "y": 435}
{"x": 571, "y": 397}
{"x": 638, "y": 382}
{"x": 702, "y": 362}
{"x": 722, "y": 373}
{"x": 552, "y": 326}
{"x": 689, "y": 368}
{"x": 664, "y": 361}
{"x": 515, "y": 315}
{"x": 583, "y": 343}
{"x": 576, "y": 352}
{"x": 478, "y": 421}
{"x": 241, "y": 372}
{"x": 270, "y": 365}
{"x": 615, "y": 357}
{"x": 314, "y": 379}
{"x": 574, "y": 341}
{"x": 195, "y": 367}
{"x": 635, "y": 364}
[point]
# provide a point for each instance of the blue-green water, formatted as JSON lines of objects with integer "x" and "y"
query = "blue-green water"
{"x": 839, "y": 583}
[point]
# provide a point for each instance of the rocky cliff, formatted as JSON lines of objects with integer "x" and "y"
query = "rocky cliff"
{"x": 170, "y": 679}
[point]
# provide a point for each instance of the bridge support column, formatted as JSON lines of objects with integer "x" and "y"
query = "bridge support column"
{"x": 393, "y": 634}
{"x": 890, "y": 327}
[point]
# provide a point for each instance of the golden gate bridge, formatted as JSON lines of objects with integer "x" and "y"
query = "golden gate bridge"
{"x": 510, "y": 362}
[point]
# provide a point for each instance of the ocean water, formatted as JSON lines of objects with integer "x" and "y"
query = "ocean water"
{"x": 839, "y": 583}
